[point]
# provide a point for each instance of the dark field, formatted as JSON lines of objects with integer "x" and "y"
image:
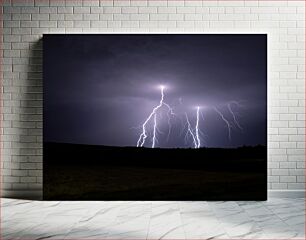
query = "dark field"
{"x": 84, "y": 172}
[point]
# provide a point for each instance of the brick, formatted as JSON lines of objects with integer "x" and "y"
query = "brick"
{"x": 21, "y": 16}
{"x": 81, "y": 24}
{"x": 147, "y": 9}
{"x": 190, "y": 17}
{"x": 291, "y": 10}
{"x": 105, "y": 17}
{"x": 47, "y": 24}
{"x": 11, "y": 53}
{"x": 91, "y": 16}
{"x": 300, "y": 165}
{"x": 138, "y": 3}
{"x": 287, "y": 165}
{"x": 230, "y": 3}
{"x": 42, "y": 3}
{"x": 36, "y": 173}
{"x": 184, "y": 24}
{"x": 65, "y": 24}
{"x": 189, "y": 3}
{"x": 112, "y": 10}
{"x": 288, "y": 24}
{"x": 74, "y": 3}
{"x": 21, "y": 31}
{"x": 287, "y": 145}
{"x": 142, "y": 16}
{"x": 289, "y": 103}
{"x": 288, "y": 179}
{"x": 11, "y": 24}
{"x": 288, "y": 53}
{"x": 148, "y": 24}
{"x": 11, "y": 179}
{"x": 265, "y": 24}
{"x": 296, "y": 96}
{"x": 59, "y": 3}
{"x": 129, "y": 10}
{"x": 27, "y": 179}
{"x": 40, "y": 16}
{"x": 6, "y": 172}
{"x": 166, "y": 10}
{"x": 296, "y": 172}
{"x": 228, "y": 17}
{"x": 288, "y": 131}
{"x": 160, "y": 17}
{"x": 296, "y": 158}
{"x": 73, "y": 16}
{"x": 122, "y": 3}
{"x": 190, "y": 10}
{"x": 176, "y": 17}
{"x": 29, "y": 10}
{"x": 202, "y": 10}
{"x": 98, "y": 24}
{"x": 260, "y": 10}
{"x": 295, "y": 124}
{"x": 64, "y": 10}
{"x": 30, "y": 24}
{"x": 130, "y": 24}
{"x": 296, "y": 186}
{"x": 279, "y": 185}
{"x": 19, "y": 173}
{"x": 11, "y": 9}
{"x": 222, "y": 24}
{"x": 23, "y": 3}
{"x": 29, "y": 38}
{"x": 91, "y": 3}
{"x": 277, "y": 151}
{"x": 81, "y": 10}
{"x": 118, "y": 17}
{"x": 157, "y": 3}
{"x": 300, "y": 116}
{"x": 57, "y": 17}
{"x": 176, "y": 3}
{"x": 242, "y": 10}
{"x": 96, "y": 10}
{"x": 20, "y": 186}
{"x": 296, "y": 45}
{"x": 11, "y": 165}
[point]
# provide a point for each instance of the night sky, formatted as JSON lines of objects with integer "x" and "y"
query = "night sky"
{"x": 99, "y": 89}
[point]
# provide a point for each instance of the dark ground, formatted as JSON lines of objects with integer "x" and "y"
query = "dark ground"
{"x": 85, "y": 172}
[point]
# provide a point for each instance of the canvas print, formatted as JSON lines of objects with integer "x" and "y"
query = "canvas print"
{"x": 155, "y": 117}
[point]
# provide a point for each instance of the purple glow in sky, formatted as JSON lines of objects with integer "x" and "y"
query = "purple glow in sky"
{"x": 100, "y": 89}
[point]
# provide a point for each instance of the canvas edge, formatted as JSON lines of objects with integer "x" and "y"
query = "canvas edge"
{"x": 38, "y": 194}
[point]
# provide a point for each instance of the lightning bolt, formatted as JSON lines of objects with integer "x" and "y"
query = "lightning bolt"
{"x": 233, "y": 115}
{"x": 197, "y": 129}
{"x": 229, "y": 126}
{"x": 143, "y": 135}
{"x": 154, "y": 132}
{"x": 189, "y": 130}
{"x": 195, "y": 133}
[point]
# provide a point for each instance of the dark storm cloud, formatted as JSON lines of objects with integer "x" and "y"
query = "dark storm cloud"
{"x": 98, "y": 87}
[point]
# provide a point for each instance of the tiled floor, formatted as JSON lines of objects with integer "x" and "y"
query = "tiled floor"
{"x": 274, "y": 219}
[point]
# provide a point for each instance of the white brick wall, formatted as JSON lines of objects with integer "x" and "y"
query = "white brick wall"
{"x": 24, "y": 22}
